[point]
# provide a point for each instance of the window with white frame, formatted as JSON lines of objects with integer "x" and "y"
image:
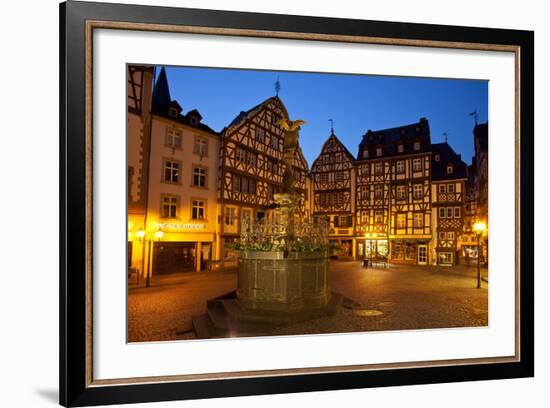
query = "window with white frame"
{"x": 199, "y": 176}
{"x": 379, "y": 151}
{"x": 418, "y": 191}
{"x": 365, "y": 154}
{"x": 201, "y": 146}
{"x": 450, "y": 235}
{"x": 442, "y": 212}
{"x": 378, "y": 191}
{"x": 416, "y": 146}
{"x": 451, "y": 188}
{"x": 449, "y": 212}
{"x": 378, "y": 168}
{"x": 230, "y": 215}
{"x": 379, "y": 216}
{"x": 401, "y": 221}
{"x": 442, "y": 236}
{"x": 417, "y": 164}
{"x": 169, "y": 206}
{"x": 418, "y": 220}
{"x": 339, "y": 176}
{"x": 198, "y": 209}
{"x": 171, "y": 171}
{"x": 173, "y": 138}
{"x": 457, "y": 212}
{"x": 400, "y": 166}
{"x": 274, "y": 142}
{"x": 449, "y": 169}
{"x": 401, "y": 192}
{"x": 442, "y": 188}
{"x": 400, "y": 148}
{"x": 437, "y": 157}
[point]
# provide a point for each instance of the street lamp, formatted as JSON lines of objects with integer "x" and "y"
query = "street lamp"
{"x": 479, "y": 229}
{"x": 140, "y": 233}
{"x": 158, "y": 235}
{"x": 368, "y": 236}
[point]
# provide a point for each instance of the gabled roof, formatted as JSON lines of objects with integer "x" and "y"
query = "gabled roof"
{"x": 334, "y": 138}
{"x": 250, "y": 112}
{"x": 447, "y": 156}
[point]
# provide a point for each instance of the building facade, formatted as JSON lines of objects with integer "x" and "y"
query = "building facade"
{"x": 449, "y": 177}
{"x": 394, "y": 169}
{"x": 333, "y": 178}
{"x": 251, "y": 170}
{"x": 192, "y": 190}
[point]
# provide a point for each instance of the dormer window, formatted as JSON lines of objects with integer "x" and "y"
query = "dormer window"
{"x": 194, "y": 120}
{"x": 365, "y": 154}
{"x": 173, "y": 112}
{"x": 416, "y": 145}
{"x": 400, "y": 148}
{"x": 449, "y": 169}
{"x": 437, "y": 157}
{"x": 379, "y": 151}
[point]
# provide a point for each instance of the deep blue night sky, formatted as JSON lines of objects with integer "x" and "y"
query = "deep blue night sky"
{"x": 356, "y": 103}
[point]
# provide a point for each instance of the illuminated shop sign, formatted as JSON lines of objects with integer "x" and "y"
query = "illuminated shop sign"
{"x": 176, "y": 226}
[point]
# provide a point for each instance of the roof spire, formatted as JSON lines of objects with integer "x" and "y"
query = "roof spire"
{"x": 277, "y": 86}
{"x": 331, "y": 126}
{"x": 475, "y": 115}
{"x": 161, "y": 91}
{"x": 446, "y": 134}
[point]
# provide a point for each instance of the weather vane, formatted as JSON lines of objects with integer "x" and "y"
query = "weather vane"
{"x": 446, "y": 134}
{"x": 475, "y": 115}
{"x": 277, "y": 86}
{"x": 331, "y": 126}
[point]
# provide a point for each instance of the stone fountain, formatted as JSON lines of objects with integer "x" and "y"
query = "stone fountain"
{"x": 282, "y": 267}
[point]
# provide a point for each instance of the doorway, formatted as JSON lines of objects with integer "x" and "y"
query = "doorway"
{"x": 422, "y": 254}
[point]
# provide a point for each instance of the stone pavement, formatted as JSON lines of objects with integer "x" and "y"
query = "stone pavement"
{"x": 395, "y": 298}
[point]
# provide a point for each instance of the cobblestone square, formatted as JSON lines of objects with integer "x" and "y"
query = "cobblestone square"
{"x": 398, "y": 297}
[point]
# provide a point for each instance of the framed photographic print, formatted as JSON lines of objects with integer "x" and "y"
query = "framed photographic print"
{"x": 255, "y": 204}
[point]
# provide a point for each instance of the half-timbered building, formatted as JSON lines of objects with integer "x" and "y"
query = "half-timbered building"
{"x": 468, "y": 240}
{"x": 333, "y": 179}
{"x": 139, "y": 96}
{"x": 449, "y": 177}
{"x": 251, "y": 169}
{"x": 394, "y": 197}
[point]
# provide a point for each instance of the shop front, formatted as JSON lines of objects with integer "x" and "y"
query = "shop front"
{"x": 409, "y": 251}
{"x": 369, "y": 248}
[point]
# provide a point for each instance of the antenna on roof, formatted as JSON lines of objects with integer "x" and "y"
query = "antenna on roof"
{"x": 331, "y": 126}
{"x": 475, "y": 115}
{"x": 446, "y": 134}
{"x": 277, "y": 86}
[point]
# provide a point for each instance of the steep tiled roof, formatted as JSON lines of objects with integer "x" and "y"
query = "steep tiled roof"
{"x": 389, "y": 139}
{"x": 442, "y": 156}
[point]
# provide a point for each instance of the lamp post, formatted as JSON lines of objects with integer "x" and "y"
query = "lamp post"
{"x": 368, "y": 236}
{"x": 158, "y": 235}
{"x": 141, "y": 234}
{"x": 479, "y": 228}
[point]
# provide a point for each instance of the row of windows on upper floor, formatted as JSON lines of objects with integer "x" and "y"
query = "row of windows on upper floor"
{"x": 173, "y": 140}
{"x": 400, "y": 149}
{"x": 172, "y": 174}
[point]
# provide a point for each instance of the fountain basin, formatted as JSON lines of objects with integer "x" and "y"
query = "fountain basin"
{"x": 277, "y": 282}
